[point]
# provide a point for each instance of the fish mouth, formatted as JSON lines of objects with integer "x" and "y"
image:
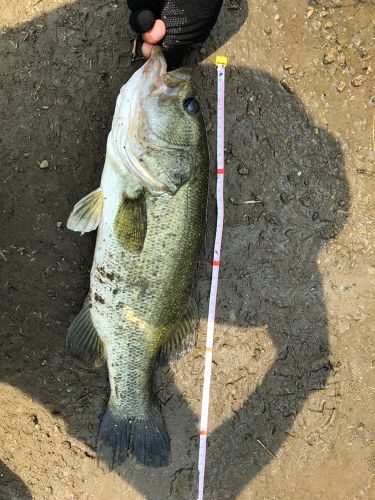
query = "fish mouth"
{"x": 154, "y": 69}
{"x": 156, "y": 77}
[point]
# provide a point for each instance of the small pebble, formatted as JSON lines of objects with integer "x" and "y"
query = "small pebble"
{"x": 328, "y": 58}
{"x": 341, "y": 86}
{"x": 358, "y": 80}
{"x": 306, "y": 201}
{"x": 328, "y": 25}
{"x": 341, "y": 59}
{"x": 243, "y": 170}
{"x": 59, "y": 224}
{"x": 267, "y": 30}
{"x": 309, "y": 13}
{"x": 284, "y": 198}
{"x": 43, "y": 164}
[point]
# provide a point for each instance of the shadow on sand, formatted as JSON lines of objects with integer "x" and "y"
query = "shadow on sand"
{"x": 60, "y": 77}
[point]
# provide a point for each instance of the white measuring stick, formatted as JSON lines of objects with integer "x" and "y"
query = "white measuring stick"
{"x": 221, "y": 62}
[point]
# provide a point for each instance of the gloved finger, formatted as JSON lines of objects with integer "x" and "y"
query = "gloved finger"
{"x": 146, "y": 49}
{"x": 142, "y": 20}
{"x": 154, "y": 5}
{"x": 156, "y": 33}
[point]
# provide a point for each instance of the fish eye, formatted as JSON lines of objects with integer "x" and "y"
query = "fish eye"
{"x": 191, "y": 105}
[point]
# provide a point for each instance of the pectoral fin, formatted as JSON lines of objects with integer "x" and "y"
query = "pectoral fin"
{"x": 86, "y": 213}
{"x": 184, "y": 337}
{"x": 131, "y": 223}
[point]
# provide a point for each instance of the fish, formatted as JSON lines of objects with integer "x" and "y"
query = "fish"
{"x": 150, "y": 216}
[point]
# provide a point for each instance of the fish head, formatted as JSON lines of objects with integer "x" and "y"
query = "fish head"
{"x": 171, "y": 129}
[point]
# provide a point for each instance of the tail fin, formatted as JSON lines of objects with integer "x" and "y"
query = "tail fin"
{"x": 120, "y": 437}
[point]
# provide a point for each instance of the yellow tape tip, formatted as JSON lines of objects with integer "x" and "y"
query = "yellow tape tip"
{"x": 221, "y": 60}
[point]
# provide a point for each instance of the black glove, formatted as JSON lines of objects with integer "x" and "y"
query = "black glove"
{"x": 187, "y": 22}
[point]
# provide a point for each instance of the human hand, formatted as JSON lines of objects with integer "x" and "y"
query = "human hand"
{"x": 176, "y": 24}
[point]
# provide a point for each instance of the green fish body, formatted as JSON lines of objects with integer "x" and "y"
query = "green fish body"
{"x": 150, "y": 212}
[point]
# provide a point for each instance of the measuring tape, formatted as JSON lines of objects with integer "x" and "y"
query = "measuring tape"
{"x": 221, "y": 62}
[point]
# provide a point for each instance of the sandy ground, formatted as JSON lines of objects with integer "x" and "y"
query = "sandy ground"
{"x": 293, "y": 386}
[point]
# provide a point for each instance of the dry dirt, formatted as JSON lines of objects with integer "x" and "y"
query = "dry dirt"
{"x": 293, "y": 386}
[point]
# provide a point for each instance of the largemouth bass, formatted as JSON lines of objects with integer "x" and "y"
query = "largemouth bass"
{"x": 150, "y": 213}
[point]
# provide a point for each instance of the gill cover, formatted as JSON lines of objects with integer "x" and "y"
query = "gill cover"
{"x": 155, "y": 134}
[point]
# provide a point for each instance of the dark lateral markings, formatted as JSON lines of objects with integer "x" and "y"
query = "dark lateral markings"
{"x": 98, "y": 298}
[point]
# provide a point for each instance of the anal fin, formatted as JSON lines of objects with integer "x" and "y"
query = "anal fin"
{"x": 83, "y": 341}
{"x": 86, "y": 213}
{"x": 184, "y": 337}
